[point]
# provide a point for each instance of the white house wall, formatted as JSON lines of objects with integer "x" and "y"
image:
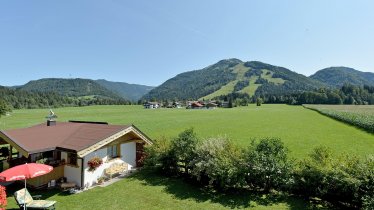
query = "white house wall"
{"x": 128, "y": 153}
{"x": 90, "y": 177}
{"x": 72, "y": 173}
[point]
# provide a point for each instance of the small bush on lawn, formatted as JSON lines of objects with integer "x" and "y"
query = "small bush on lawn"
{"x": 218, "y": 163}
{"x": 267, "y": 165}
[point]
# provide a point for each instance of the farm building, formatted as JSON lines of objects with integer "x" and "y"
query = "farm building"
{"x": 195, "y": 105}
{"x": 211, "y": 105}
{"x": 69, "y": 147}
{"x": 151, "y": 105}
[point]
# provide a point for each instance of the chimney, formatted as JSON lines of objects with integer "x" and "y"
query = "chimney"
{"x": 51, "y": 122}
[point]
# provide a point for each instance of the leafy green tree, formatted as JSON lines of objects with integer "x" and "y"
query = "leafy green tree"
{"x": 267, "y": 165}
{"x": 258, "y": 101}
{"x": 4, "y": 108}
{"x": 183, "y": 150}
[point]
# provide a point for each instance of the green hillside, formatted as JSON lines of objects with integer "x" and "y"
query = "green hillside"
{"x": 128, "y": 91}
{"x": 69, "y": 87}
{"x": 198, "y": 83}
{"x": 337, "y": 76}
{"x": 233, "y": 76}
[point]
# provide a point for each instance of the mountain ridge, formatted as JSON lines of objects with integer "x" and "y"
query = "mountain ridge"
{"x": 80, "y": 87}
{"x": 232, "y": 76}
{"x": 336, "y": 76}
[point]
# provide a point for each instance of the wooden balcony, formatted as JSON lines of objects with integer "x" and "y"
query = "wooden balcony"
{"x": 43, "y": 180}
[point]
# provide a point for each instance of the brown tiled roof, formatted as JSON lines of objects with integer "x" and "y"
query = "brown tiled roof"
{"x": 66, "y": 135}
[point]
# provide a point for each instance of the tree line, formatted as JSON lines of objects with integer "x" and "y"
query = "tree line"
{"x": 344, "y": 181}
{"x": 347, "y": 94}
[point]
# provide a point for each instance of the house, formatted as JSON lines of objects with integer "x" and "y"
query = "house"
{"x": 151, "y": 105}
{"x": 177, "y": 105}
{"x": 211, "y": 105}
{"x": 225, "y": 104}
{"x": 69, "y": 146}
{"x": 195, "y": 105}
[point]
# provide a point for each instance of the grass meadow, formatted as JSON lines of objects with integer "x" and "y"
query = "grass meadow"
{"x": 299, "y": 128}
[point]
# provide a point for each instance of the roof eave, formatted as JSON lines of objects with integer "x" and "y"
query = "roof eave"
{"x": 83, "y": 152}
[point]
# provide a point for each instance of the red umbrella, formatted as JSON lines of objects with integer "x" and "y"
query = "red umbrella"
{"x": 25, "y": 171}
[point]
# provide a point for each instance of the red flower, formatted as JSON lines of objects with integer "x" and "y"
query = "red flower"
{"x": 94, "y": 163}
{"x": 3, "y": 201}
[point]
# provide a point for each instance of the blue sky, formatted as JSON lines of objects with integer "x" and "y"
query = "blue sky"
{"x": 148, "y": 42}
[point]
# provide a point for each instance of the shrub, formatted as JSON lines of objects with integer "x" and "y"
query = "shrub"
{"x": 182, "y": 150}
{"x": 267, "y": 165}
{"x": 258, "y": 101}
{"x": 347, "y": 179}
{"x": 173, "y": 157}
{"x": 368, "y": 202}
{"x": 158, "y": 156}
{"x": 218, "y": 163}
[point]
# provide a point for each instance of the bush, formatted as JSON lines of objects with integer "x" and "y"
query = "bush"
{"x": 183, "y": 150}
{"x": 368, "y": 202}
{"x": 158, "y": 156}
{"x": 347, "y": 179}
{"x": 219, "y": 163}
{"x": 267, "y": 165}
{"x": 258, "y": 101}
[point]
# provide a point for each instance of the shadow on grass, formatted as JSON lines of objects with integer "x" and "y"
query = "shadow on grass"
{"x": 45, "y": 193}
{"x": 182, "y": 189}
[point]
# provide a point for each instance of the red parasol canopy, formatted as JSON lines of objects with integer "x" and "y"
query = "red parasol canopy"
{"x": 25, "y": 171}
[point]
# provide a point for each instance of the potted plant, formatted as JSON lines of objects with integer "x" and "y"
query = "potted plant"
{"x": 100, "y": 180}
{"x": 94, "y": 163}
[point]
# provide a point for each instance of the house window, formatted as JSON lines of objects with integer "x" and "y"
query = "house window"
{"x": 113, "y": 151}
{"x": 72, "y": 159}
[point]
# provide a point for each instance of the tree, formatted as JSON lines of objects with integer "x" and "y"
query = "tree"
{"x": 4, "y": 108}
{"x": 183, "y": 150}
{"x": 267, "y": 164}
{"x": 258, "y": 101}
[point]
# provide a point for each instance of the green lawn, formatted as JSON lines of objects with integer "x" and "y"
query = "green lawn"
{"x": 145, "y": 190}
{"x": 299, "y": 128}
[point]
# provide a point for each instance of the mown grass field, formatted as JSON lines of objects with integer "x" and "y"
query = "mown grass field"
{"x": 299, "y": 128}
{"x": 145, "y": 190}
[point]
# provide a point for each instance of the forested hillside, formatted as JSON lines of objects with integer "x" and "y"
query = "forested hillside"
{"x": 19, "y": 99}
{"x": 195, "y": 84}
{"x": 69, "y": 87}
{"x": 128, "y": 91}
{"x": 233, "y": 77}
{"x": 338, "y": 76}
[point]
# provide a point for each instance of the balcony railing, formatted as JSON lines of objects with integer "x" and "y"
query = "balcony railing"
{"x": 43, "y": 180}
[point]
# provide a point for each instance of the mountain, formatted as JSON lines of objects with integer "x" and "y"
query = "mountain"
{"x": 69, "y": 87}
{"x": 232, "y": 76}
{"x": 131, "y": 92}
{"x": 338, "y": 76}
